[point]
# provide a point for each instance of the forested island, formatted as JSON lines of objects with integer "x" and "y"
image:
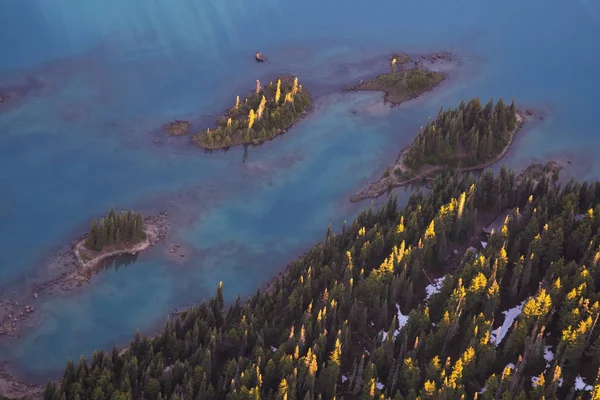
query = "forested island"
{"x": 412, "y": 303}
{"x": 469, "y": 137}
{"x": 117, "y": 233}
{"x": 267, "y": 112}
{"x": 402, "y": 83}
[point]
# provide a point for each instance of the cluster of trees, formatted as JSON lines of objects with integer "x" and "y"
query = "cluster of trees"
{"x": 471, "y": 135}
{"x": 115, "y": 229}
{"x": 261, "y": 116}
{"x": 330, "y": 326}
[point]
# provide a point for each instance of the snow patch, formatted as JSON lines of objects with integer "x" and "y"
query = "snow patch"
{"x": 509, "y": 318}
{"x": 383, "y": 335}
{"x": 435, "y": 288}
{"x": 548, "y": 355}
{"x": 510, "y": 365}
{"x": 535, "y": 380}
{"x": 482, "y": 391}
{"x": 580, "y": 384}
{"x": 344, "y": 378}
{"x": 273, "y": 349}
{"x": 379, "y": 385}
{"x": 402, "y": 320}
{"x": 484, "y": 244}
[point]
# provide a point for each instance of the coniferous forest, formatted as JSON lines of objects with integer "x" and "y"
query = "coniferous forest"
{"x": 115, "y": 229}
{"x": 471, "y": 134}
{"x": 514, "y": 318}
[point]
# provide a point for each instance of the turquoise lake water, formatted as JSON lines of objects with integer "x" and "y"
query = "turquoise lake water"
{"x": 93, "y": 82}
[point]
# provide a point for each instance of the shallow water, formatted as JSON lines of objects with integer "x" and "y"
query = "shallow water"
{"x": 78, "y": 136}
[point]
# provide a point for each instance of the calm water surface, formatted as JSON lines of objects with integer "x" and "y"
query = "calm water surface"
{"x": 94, "y": 80}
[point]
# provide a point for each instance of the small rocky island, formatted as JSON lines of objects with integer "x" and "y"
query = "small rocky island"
{"x": 116, "y": 234}
{"x": 267, "y": 112}
{"x": 177, "y": 127}
{"x": 470, "y": 137}
{"x": 404, "y": 82}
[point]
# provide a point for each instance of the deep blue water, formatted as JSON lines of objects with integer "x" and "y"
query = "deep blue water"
{"x": 94, "y": 81}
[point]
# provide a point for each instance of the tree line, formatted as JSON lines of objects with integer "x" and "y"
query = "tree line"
{"x": 470, "y": 134}
{"x": 115, "y": 229}
{"x": 334, "y": 326}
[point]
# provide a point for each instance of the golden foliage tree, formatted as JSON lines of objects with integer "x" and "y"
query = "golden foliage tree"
{"x": 261, "y": 108}
{"x": 251, "y": 118}
{"x": 278, "y": 91}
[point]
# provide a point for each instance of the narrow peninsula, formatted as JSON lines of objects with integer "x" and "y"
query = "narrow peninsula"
{"x": 403, "y": 82}
{"x": 267, "y": 112}
{"x": 470, "y": 137}
{"x": 116, "y": 234}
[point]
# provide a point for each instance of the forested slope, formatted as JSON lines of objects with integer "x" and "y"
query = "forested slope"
{"x": 334, "y": 325}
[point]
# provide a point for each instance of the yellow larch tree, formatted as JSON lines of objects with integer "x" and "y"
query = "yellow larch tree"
{"x": 430, "y": 232}
{"x": 283, "y": 390}
{"x": 478, "y": 284}
{"x": 596, "y": 392}
{"x": 461, "y": 204}
{"x": 456, "y": 375}
{"x": 295, "y": 87}
{"x": 429, "y": 387}
{"x": 261, "y": 108}
{"x": 237, "y": 102}
{"x": 278, "y": 91}
{"x": 257, "y": 86}
{"x": 251, "y": 118}
{"x": 336, "y": 354}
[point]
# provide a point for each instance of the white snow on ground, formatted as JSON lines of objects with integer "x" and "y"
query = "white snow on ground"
{"x": 510, "y": 365}
{"x": 580, "y": 384}
{"x": 484, "y": 244}
{"x": 379, "y": 385}
{"x": 344, "y": 378}
{"x": 383, "y": 335}
{"x": 274, "y": 349}
{"x": 560, "y": 381}
{"x": 548, "y": 355}
{"x": 534, "y": 380}
{"x": 482, "y": 391}
{"x": 402, "y": 320}
{"x": 509, "y": 318}
{"x": 435, "y": 288}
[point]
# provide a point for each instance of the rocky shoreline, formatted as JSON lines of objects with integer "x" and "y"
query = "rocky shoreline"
{"x": 18, "y": 389}
{"x": 386, "y": 183}
{"x": 77, "y": 272}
